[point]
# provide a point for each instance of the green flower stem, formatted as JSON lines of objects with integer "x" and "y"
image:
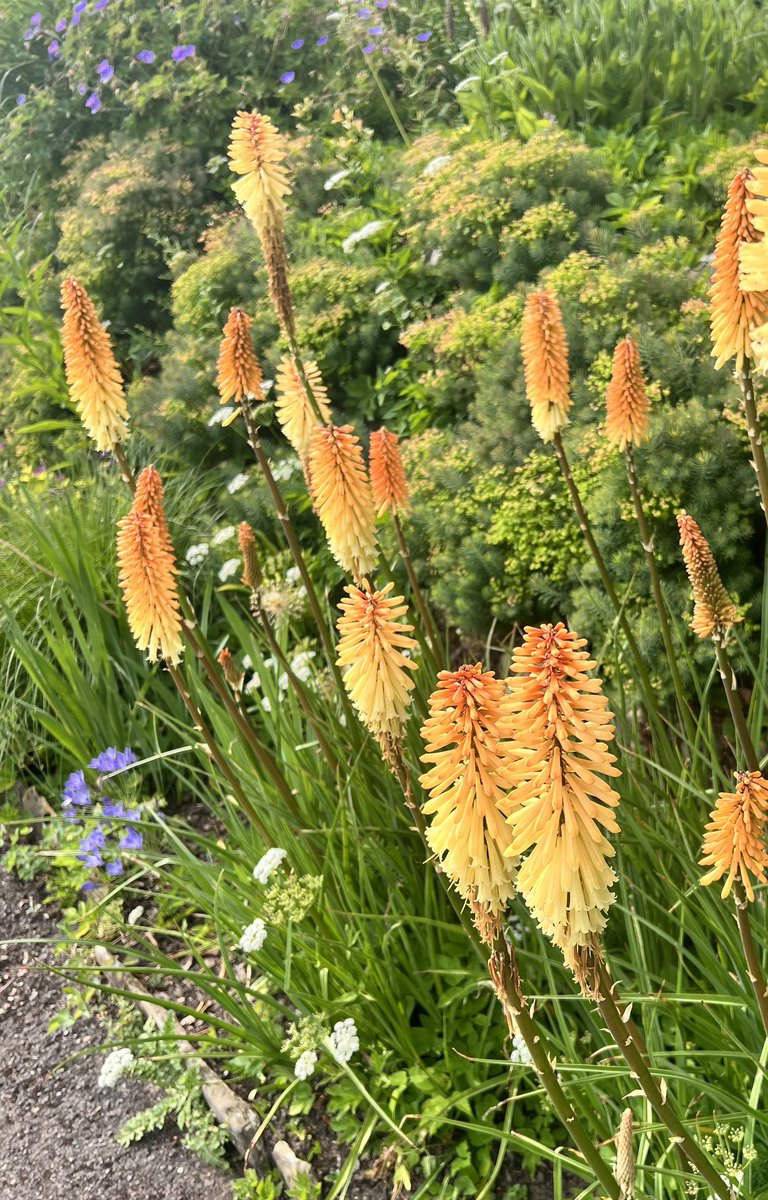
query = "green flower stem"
{"x": 621, "y": 1032}
{"x": 388, "y": 101}
{"x": 731, "y": 686}
{"x": 754, "y": 433}
{"x": 658, "y": 595}
{"x": 427, "y": 620}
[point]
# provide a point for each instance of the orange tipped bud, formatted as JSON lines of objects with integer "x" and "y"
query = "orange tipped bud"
{"x": 257, "y": 154}
{"x": 560, "y": 723}
{"x": 545, "y": 359}
{"x": 251, "y": 567}
{"x": 735, "y": 305}
{"x": 713, "y": 610}
{"x": 95, "y": 383}
{"x": 371, "y": 655}
{"x": 295, "y": 413}
{"x": 388, "y": 484}
{"x": 147, "y": 578}
{"x": 734, "y": 844}
{"x": 238, "y": 375}
{"x": 467, "y": 784}
{"x": 626, "y": 400}
{"x": 342, "y": 496}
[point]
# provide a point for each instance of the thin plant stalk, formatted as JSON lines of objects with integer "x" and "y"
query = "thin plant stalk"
{"x": 430, "y": 629}
{"x": 754, "y": 433}
{"x": 658, "y": 595}
{"x": 389, "y": 103}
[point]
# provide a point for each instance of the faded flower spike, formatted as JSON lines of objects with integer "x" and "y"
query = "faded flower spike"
{"x": 251, "y": 567}
{"x": 298, "y": 419}
{"x": 342, "y": 496}
{"x": 626, "y": 399}
{"x": 735, "y": 308}
{"x": 734, "y": 842}
{"x": 232, "y": 673}
{"x": 713, "y": 610}
{"x": 467, "y": 783}
{"x": 148, "y": 581}
{"x": 545, "y": 359}
{"x": 95, "y": 383}
{"x": 370, "y": 654}
{"x": 388, "y": 484}
{"x": 238, "y": 374}
{"x": 560, "y": 723}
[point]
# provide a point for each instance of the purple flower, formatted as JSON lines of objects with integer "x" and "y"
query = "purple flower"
{"x": 146, "y": 56}
{"x": 105, "y": 70}
{"x": 114, "y": 809}
{"x": 75, "y": 20}
{"x": 322, "y": 40}
{"x": 29, "y": 33}
{"x": 53, "y": 49}
{"x": 81, "y": 89}
{"x": 93, "y": 102}
{"x": 100, "y": 5}
{"x": 80, "y": 7}
{"x": 96, "y": 840}
{"x": 287, "y": 76}
{"x": 36, "y": 19}
{"x": 297, "y": 44}
{"x": 88, "y": 886}
{"x": 71, "y": 816}
{"x": 21, "y": 99}
{"x": 363, "y": 12}
{"x": 61, "y": 25}
{"x": 424, "y": 37}
{"x": 131, "y": 840}
{"x": 39, "y": 470}
{"x": 133, "y": 814}
{"x": 369, "y": 49}
{"x": 76, "y": 790}
{"x": 92, "y": 859}
{"x": 376, "y": 30}
{"x": 179, "y": 53}
{"x": 114, "y": 868}
{"x": 382, "y": 3}
{"x": 113, "y": 760}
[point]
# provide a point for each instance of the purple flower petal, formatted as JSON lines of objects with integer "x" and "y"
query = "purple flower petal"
{"x": 105, "y": 71}
{"x": 369, "y": 49}
{"x": 100, "y": 5}
{"x": 88, "y": 886}
{"x": 53, "y": 49}
{"x": 80, "y": 7}
{"x": 177, "y": 53}
{"x": 363, "y": 12}
{"x": 376, "y": 30}
{"x": 322, "y": 40}
{"x": 28, "y": 33}
{"x": 297, "y": 44}
{"x": 61, "y": 25}
{"x": 424, "y": 37}
{"x": 82, "y": 88}
{"x": 146, "y": 56}
{"x": 75, "y": 20}
{"x": 287, "y": 76}
{"x": 114, "y": 868}
{"x": 36, "y": 19}
{"x": 21, "y": 99}
{"x": 132, "y": 839}
{"x": 382, "y": 3}
{"x": 190, "y": 52}
{"x": 93, "y": 102}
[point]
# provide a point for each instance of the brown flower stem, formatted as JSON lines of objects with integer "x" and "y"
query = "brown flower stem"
{"x": 658, "y": 595}
{"x": 503, "y": 970}
{"x": 731, "y": 686}
{"x": 427, "y": 620}
{"x": 745, "y": 382}
{"x": 126, "y": 473}
{"x": 622, "y": 1034}
{"x": 605, "y": 577}
{"x": 215, "y": 753}
{"x": 754, "y": 967}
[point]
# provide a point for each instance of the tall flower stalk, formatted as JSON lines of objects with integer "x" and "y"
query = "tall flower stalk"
{"x": 93, "y": 376}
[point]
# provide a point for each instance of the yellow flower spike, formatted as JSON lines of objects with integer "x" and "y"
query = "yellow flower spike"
{"x": 626, "y": 398}
{"x": 238, "y": 374}
{"x": 294, "y": 410}
{"x": 148, "y": 581}
{"x": 734, "y": 842}
{"x": 94, "y": 379}
{"x": 342, "y": 497}
{"x": 713, "y": 610}
{"x": 370, "y": 653}
{"x": 467, "y": 784}
{"x": 545, "y": 360}
{"x": 562, "y": 807}
{"x": 388, "y": 482}
{"x": 735, "y": 306}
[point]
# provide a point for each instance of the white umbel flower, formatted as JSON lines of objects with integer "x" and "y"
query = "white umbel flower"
{"x": 223, "y": 535}
{"x": 230, "y": 568}
{"x": 268, "y": 863}
{"x": 115, "y": 1064}
{"x": 254, "y": 936}
{"x": 197, "y": 554}
{"x": 236, "y": 483}
{"x": 305, "y": 1064}
{"x": 344, "y": 1040}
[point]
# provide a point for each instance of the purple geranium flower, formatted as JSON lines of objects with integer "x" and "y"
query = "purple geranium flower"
{"x": 424, "y": 37}
{"x": 29, "y": 33}
{"x": 36, "y": 19}
{"x": 105, "y": 70}
{"x": 80, "y": 7}
{"x": 114, "y": 868}
{"x": 322, "y": 40}
{"x": 179, "y": 53}
{"x": 287, "y": 76}
{"x": 113, "y": 760}
{"x": 61, "y": 25}
{"x": 131, "y": 840}
{"x": 363, "y": 12}
{"x": 146, "y": 56}
{"x": 297, "y": 44}
{"x": 369, "y": 49}
{"x": 76, "y": 789}
{"x": 93, "y": 102}
{"x": 382, "y": 3}
{"x": 376, "y": 30}
{"x": 53, "y": 49}
{"x": 21, "y": 99}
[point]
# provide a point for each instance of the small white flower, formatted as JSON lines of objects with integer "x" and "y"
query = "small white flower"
{"x": 465, "y": 83}
{"x": 197, "y": 554}
{"x": 229, "y": 569}
{"x": 361, "y": 235}
{"x": 292, "y": 576}
{"x": 520, "y": 1054}
{"x": 344, "y": 1040}
{"x": 135, "y": 914}
{"x": 266, "y": 704}
{"x": 435, "y": 257}
{"x": 222, "y": 414}
{"x": 254, "y": 936}
{"x": 247, "y": 664}
{"x": 237, "y": 483}
{"x": 302, "y": 665}
{"x": 436, "y": 164}
{"x": 381, "y": 287}
{"x": 115, "y": 1064}
{"x": 282, "y": 682}
{"x": 268, "y": 863}
{"x": 223, "y": 535}
{"x": 266, "y": 384}
{"x": 305, "y": 1065}
{"x": 334, "y": 179}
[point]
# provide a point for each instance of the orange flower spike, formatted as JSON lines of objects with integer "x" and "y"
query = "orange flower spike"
{"x": 545, "y": 360}
{"x": 734, "y": 842}
{"x": 561, "y": 724}
{"x": 294, "y": 410}
{"x": 467, "y": 783}
{"x": 626, "y": 399}
{"x": 370, "y": 654}
{"x": 147, "y": 578}
{"x": 713, "y": 610}
{"x": 238, "y": 375}
{"x": 736, "y": 307}
{"x": 94, "y": 379}
{"x": 252, "y": 575}
{"x": 388, "y": 483}
{"x": 257, "y": 154}
{"x": 342, "y": 497}
{"x": 148, "y": 498}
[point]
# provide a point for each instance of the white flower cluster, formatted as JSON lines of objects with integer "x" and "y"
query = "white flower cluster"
{"x": 221, "y": 415}
{"x": 236, "y": 483}
{"x": 197, "y": 554}
{"x": 301, "y": 665}
{"x": 283, "y": 471}
{"x": 361, "y": 235}
{"x": 305, "y": 1064}
{"x": 436, "y": 164}
{"x": 230, "y": 568}
{"x": 268, "y": 864}
{"x": 115, "y": 1064}
{"x": 254, "y": 936}
{"x": 344, "y": 1040}
{"x": 223, "y": 535}
{"x": 521, "y": 1055}
{"x": 333, "y": 180}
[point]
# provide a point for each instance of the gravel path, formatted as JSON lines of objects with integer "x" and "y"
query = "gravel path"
{"x": 57, "y": 1129}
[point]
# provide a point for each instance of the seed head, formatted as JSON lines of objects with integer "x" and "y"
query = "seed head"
{"x": 626, "y": 400}
{"x": 388, "y": 483}
{"x": 713, "y": 610}
{"x": 545, "y": 359}
{"x": 238, "y": 375}
{"x": 95, "y": 383}
{"x": 342, "y": 496}
{"x": 734, "y": 843}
